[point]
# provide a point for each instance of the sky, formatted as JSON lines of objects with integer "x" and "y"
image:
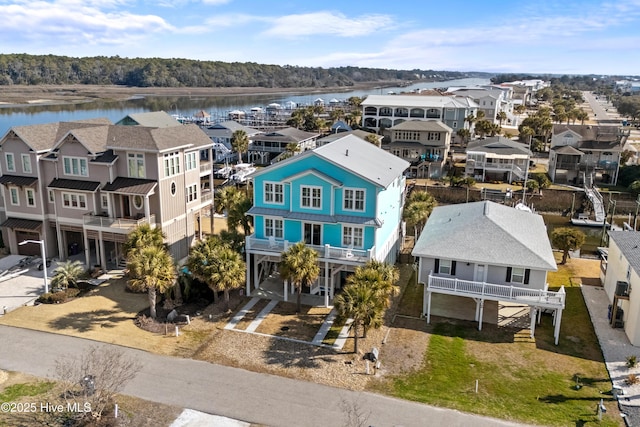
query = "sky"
{"x": 538, "y": 36}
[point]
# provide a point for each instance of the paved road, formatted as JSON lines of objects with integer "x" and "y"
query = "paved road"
{"x": 230, "y": 392}
{"x": 599, "y": 108}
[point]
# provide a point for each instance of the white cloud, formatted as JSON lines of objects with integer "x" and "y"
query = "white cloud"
{"x": 215, "y": 2}
{"x": 327, "y": 23}
{"x": 232, "y": 19}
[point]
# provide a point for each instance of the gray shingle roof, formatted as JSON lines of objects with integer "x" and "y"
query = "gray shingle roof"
{"x": 156, "y": 119}
{"x": 364, "y": 159}
{"x": 567, "y": 149}
{"x": 422, "y": 125}
{"x": 287, "y": 134}
{"x": 107, "y": 157}
{"x": 486, "y": 232}
{"x": 333, "y": 136}
{"x": 44, "y": 137}
{"x": 156, "y": 139}
{"x": 300, "y": 216}
{"x": 499, "y": 145}
{"x": 418, "y": 101}
{"x": 629, "y": 244}
{"x": 74, "y": 184}
{"x": 22, "y": 224}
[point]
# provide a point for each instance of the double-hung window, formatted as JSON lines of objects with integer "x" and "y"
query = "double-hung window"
{"x": 352, "y": 236}
{"x": 190, "y": 161}
{"x": 31, "y": 197}
{"x": 75, "y": 166}
{"x": 171, "y": 163}
{"x": 136, "y": 165}
{"x": 311, "y": 197}
{"x": 11, "y": 162}
{"x": 273, "y": 228}
{"x": 445, "y": 266}
{"x": 13, "y": 194}
{"x": 74, "y": 200}
{"x": 273, "y": 193}
{"x": 192, "y": 193}
{"x": 26, "y": 163}
{"x": 353, "y": 199}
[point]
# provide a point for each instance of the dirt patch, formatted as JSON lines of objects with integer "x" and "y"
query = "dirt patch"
{"x": 283, "y": 321}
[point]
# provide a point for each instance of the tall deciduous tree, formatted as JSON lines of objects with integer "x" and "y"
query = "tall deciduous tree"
{"x": 299, "y": 265}
{"x": 567, "y": 239}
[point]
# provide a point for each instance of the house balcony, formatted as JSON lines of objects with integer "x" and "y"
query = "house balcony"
{"x": 587, "y": 165}
{"x": 495, "y": 292}
{"x": 326, "y": 252}
{"x": 206, "y": 167}
{"x": 206, "y": 196}
{"x": 115, "y": 225}
{"x": 261, "y": 148}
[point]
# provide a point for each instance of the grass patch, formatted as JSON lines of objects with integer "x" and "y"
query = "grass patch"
{"x": 16, "y": 391}
{"x": 334, "y": 331}
{"x": 411, "y": 299}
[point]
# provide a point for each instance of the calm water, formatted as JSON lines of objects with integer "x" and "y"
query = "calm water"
{"x": 217, "y": 106}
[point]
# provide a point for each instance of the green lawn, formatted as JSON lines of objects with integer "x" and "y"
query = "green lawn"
{"x": 532, "y": 382}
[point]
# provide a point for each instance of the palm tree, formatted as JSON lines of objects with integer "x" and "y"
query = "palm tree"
{"x": 419, "y": 206}
{"x": 388, "y": 273}
{"x": 66, "y": 274}
{"x": 471, "y": 119}
{"x": 201, "y": 262}
{"x": 225, "y": 198}
{"x": 372, "y": 138}
{"x": 239, "y": 143}
{"x": 228, "y": 272}
{"x": 501, "y": 116}
{"x": 361, "y": 303}
{"x": 483, "y": 127}
{"x": 292, "y": 148}
{"x": 480, "y": 115}
{"x": 299, "y": 265}
{"x": 237, "y": 214}
{"x": 464, "y": 134}
{"x": 152, "y": 269}
{"x": 142, "y": 236}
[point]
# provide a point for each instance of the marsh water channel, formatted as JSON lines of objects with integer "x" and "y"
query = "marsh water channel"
{"x": 217, "y": 106}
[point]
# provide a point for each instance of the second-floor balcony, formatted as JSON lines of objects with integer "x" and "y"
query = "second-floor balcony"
{"x": 116, "y": 225}
{"x": 205, "y": 167}
{"x": 327, "y": 252}
{"x": 587, "y": 165}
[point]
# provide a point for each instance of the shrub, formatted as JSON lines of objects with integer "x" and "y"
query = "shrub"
{"x": 632, "y": 361}
{"x": 632, "y": 379}
{"x": 58, "y": 297}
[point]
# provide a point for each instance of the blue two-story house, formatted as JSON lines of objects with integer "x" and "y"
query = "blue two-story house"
{"x": 343, "y": 199}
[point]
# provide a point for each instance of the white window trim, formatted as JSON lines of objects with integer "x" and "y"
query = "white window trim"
{"x": 13, "y": 160}
{"x": 171, "y": 168}
{"x": 133, "y": 201}
{"x": 190, "y": 159}
{"x": 513, "y": 275}
{"x": 354, "y": 190}
{"x": 103, "y": 198}
{"x": 28, "y": 158}
{"x": 52, "y": 197}
{"x": 311, "y": 188}
{"x": 80, "y": 160}
{"x": 447, "y": 263}
{"x": 26, "y": 197}
{"x": 271, "y": 231}
{"x": 78, "y": 196}
{"x": 17, "y": 193}
{"x": 352, "y": 235}
{"x": 136, "y": 158}
{"x": 191, "y": 193}
{"x": 273, "y": 193}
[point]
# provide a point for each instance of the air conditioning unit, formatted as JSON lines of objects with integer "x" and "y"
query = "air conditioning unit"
{"x": 622, "y": 289}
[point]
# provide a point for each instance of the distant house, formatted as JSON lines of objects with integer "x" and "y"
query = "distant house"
{"x": 423, "y": 143}
{"x": 622, "y": 275}
{"x": 158, "y": 119}
{"x": 488, "y": 252}
{"x": 221, "y": 133}
{"x": 343, "y": 199}
{"x": 340, "y": 126}
{"x": 335, "y": 136}
{"x": 497, "y": 159}
{"x": 264, "y": 147}
{"x": 585, "y": 151}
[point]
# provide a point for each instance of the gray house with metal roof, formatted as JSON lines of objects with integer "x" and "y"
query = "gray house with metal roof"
{"x": 488, "y": 252}
{"x": 497, "y": 158}
{"x": 82, "y": 187}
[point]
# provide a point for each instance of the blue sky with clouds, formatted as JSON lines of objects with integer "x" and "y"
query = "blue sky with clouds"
{"x": 540, "y": 36}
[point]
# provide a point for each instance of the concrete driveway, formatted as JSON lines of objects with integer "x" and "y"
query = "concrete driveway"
{"x": 23, "y": 288}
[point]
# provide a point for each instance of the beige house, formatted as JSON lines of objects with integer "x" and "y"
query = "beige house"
{"x": 81, "y": 187}
{"x": 497, "y": 159}
{"x": 423, "y": 143}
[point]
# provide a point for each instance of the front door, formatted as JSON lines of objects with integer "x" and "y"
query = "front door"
{"x": 480, "y": 275}
{"x": 312, "y": 234}
{"x": 126, "y": 207}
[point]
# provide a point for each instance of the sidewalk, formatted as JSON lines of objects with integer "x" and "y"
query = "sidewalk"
{"x": 615, "y": 348}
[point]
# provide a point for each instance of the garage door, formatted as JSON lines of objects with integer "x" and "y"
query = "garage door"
{"x": 29, "y": 248}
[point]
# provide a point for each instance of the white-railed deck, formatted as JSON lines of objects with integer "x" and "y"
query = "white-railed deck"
{"x": 115, "y": 225}
{"x": 328, "y": 252}
{"x": 536, "y": 299}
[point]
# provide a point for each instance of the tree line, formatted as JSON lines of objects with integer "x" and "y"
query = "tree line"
{"x": 25, "y": 69}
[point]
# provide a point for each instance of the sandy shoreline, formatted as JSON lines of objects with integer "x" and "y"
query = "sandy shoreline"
{"x": 20, "y": 95}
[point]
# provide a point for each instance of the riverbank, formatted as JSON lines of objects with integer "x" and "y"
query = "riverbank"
{"x": 21, "y": 95}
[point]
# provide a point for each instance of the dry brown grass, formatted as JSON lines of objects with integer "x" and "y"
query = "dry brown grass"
{"x": 252, "y": 314}
{"x": 301, "y": 326}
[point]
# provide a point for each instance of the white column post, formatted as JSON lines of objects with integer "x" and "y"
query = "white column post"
{"x": 326, "y": 283}
{"x": 428, "y": 307}
{"x": 556, "y": 332}
{"x": 147, "y": 209}
{"x": 87, "y": 252}
{"x": 286, "y": 291}
{"x": 256, "y": 276}
{"x": 98, "y": 258}
{"x": 481, "y": 314}
{"x": 248, "y": 264}
{"x": 532, "y": 314}
{"x": 103, "y": 258}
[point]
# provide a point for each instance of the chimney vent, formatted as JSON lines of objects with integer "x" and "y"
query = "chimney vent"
{"x": 347, "y": 153}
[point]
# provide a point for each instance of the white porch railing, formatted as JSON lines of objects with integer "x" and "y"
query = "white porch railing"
{"x": 122, "y": 225}
{"x": 325, "y": 251}
{"x": 536, "y": 297}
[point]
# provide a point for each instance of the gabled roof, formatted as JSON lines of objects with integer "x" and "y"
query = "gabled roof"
{"x": 499, "y": 145}
{"x": 156, "y": 119}
{"x": 358, "y": 132}
{"x": 422, "y": 125}
{"x": 356, "y": 155}
{"x": 156, "y": 139}
{"x": 93, "y": 138}
{"x": 589, "y": 132}
{"x": 568, "y": 149}
{"x": 629, "y": 244}
{"x": 44, "y": 137}
{"x": 418, "y": 101}
{"x": 232, "y": 125}
{"x": 315, "y": 172}
{"x": 340, "y": 126}
{"x": 287, "y": 134}
{"x": 489, "y": 233}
